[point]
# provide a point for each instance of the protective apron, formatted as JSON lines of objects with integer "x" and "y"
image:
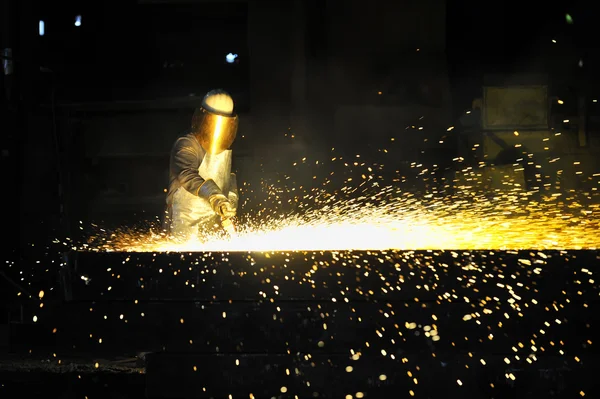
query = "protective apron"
{"x": 192, "y": 214}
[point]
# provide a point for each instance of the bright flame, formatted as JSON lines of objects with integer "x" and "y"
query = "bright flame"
{"x": 478, "y": 208}
{"x": 398, "y": 225}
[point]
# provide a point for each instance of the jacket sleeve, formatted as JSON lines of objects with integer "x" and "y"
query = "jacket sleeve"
{"x": 186, "y": 159}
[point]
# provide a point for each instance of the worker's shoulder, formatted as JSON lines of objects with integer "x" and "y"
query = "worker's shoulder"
{"x": 187, "y": 140}
{"x": 187, "y": 136}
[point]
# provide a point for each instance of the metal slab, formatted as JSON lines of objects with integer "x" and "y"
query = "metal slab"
{"x": 125, "y": 328}
{"x": 331, "y": 276}
{"x": 326, "y": 376}
{"x": 289, "y": 324}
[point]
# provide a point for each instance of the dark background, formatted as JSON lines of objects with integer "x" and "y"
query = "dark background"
{"x": 125, "y": 49}
{"x": 515, "y": 37}
{"x": 88, "y": 115}
{"x": 90, "y": 112}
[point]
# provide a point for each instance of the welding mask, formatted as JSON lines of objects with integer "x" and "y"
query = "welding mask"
{"x": 214, "y": 124}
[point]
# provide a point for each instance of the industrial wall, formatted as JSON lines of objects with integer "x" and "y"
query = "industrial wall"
{"x": 384, "y": 68}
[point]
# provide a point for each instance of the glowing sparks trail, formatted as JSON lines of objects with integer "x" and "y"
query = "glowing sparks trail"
{"x": 400, "y": 224}
{"x": 370, "y": 212}
{"x": 350, "y": 251}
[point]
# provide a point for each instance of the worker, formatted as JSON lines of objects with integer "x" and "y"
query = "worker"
{"x": 202, "y": 198}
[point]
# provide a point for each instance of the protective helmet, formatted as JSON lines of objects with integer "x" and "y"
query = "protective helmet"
{"x": 215, "y": 123}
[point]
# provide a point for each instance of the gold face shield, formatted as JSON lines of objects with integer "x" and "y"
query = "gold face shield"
{"x": 215, "y": 132}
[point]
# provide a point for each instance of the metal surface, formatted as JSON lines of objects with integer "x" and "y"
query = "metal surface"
{"x": 277, "y": 303}
{"x": 242, "y": 276}
{"x": 325, "y": 376}
{"x": 37, "y": 377}
{"x": 285, "y": 324}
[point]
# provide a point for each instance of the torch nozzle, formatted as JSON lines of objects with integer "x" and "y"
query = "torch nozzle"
{"x": 229, "y": 226}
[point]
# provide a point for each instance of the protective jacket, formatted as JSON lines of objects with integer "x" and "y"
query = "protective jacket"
{"x": 202, "y": 190}
{"x": 190, "y": 166}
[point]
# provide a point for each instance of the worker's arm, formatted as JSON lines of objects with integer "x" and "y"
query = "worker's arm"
{"x": 185, "y": 159}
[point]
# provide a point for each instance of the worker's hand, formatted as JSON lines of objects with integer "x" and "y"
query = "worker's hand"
{"x": 233, "y": 200}
{"x": 227, "y": 210}
{"x": 221, "y": 205}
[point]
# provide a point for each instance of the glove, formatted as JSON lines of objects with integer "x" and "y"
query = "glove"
{"x": 222, "y": 207}
{"x": 218, "y": 202}
{"x": 233, "y": 200}
{"x": 233, "y": 192}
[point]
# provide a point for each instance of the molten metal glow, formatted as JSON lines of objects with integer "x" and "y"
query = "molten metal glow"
{"x": 360, "y": 206}
{"x": 401, "y": 225}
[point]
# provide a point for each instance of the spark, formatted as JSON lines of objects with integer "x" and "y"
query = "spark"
{"x": 356, "y": 208}
{"x": 402, "y": 223}
{"x": 366, "y": 227}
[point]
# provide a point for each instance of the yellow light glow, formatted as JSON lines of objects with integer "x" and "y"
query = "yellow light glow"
{"x": 364, "y": 211}
{"x": 398, "y": 225}
{"x": 217, "y": 134}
